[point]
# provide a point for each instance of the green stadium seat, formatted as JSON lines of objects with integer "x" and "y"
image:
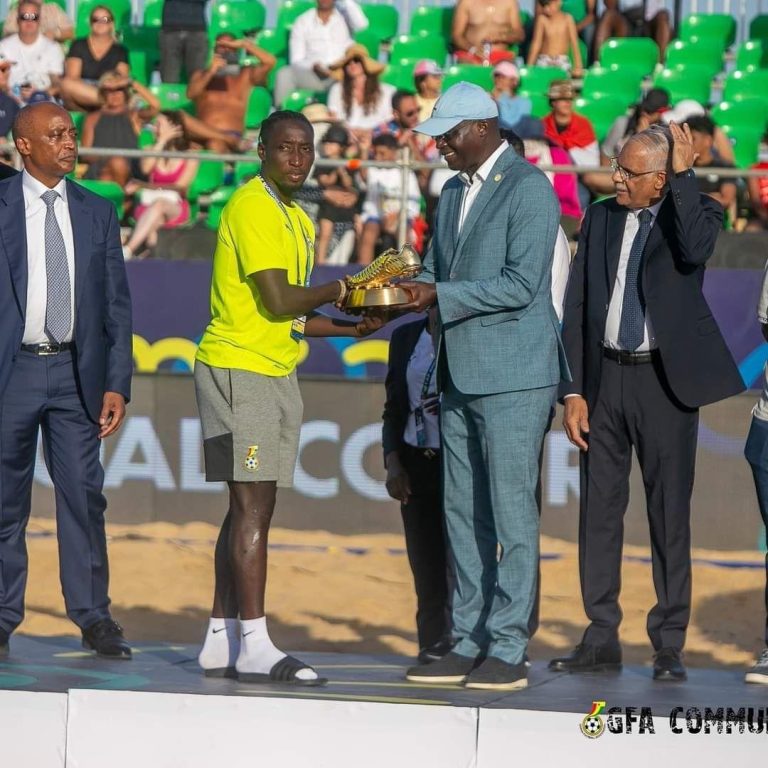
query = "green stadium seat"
{"x": 537, "y": 79}
{"x": 432, "y": 20}
{"x": 121, "y": 10}
{"x": 153, "y": 13}
{"x": 370, "y": 40}
{"x": 620, "y": 83}
{"x": 721, "y": 26}
{"x": 758, "y": 28}
{"x": 751, "y": 54}
{"x": 539, "y": 102}
{"x": 274, "y": 41}
{"x": 259, "y": 107}
{"x": 471, "y": 73}
{"x": 210, "y": 176}
{"x": 172, "y": 95}
{"x": 77, "y": 120}
{"x": 746, "y": 85}
{"x": 242, "y": 17}
{"x": 746, "y": 143}
{"x": 290, "y": 10}
{"x": 636, "y": 53}
{"x": 145, "y": 39}
{"x": 400, "y": 74}
{"x": 601, "y": 112}
{"x": 419, "y": 47}
{"x": 686, "y": 83}
{"x": 216, "y": 204}
{"x": 744, "y": 112}
{"x": 577, "y": 9}
{"x": 245, "y": 171}
{"x": 383, "y": 20}
{"x": 108, "y": 189}
{"x": 298, "y": 99}
{"x": 682, "y": 54}
{"x": 137, "y": 62}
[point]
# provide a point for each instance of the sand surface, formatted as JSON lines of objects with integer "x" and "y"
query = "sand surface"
{"x": 354, "y": 593}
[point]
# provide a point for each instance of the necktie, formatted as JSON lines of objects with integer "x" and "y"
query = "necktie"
{"x": 58, "y": 309}
{"x": 632, "y": 324}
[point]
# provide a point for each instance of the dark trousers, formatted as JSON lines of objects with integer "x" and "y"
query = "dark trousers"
{"x": 43, "y": 394}
{"x": 179, "y": 46}
{"x": 756, "y": 453}
{"x": 427, "y": 547}
{"x": 635, "y": 409}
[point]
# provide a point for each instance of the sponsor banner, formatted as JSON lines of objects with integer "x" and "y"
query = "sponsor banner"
{"x": 171, "y": 310}
{"x": 154, "y": 469}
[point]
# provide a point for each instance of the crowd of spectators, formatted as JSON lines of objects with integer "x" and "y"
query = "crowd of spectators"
{"x": 356, "y": 113}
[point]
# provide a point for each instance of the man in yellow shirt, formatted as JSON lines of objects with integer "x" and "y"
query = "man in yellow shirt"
{"x": 247, "y": 392}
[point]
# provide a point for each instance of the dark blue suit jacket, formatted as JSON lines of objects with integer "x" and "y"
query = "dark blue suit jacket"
{"x": 102, "y": 334}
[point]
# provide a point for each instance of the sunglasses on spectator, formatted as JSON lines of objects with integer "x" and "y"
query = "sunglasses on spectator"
{"x": 411, "y": 113}
{"x": 28, "y": 17}
{"x": 101, "y": 19}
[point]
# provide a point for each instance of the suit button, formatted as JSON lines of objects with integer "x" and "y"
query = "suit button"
{"x": 452, "y": 275}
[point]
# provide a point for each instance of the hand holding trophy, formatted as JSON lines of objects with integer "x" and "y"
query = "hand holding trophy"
{"x": 374, "y": 287}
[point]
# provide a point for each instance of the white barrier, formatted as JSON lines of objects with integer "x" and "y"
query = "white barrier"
{"x": 33, "y": 729}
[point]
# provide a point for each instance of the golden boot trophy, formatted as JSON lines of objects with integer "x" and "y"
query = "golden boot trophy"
{"x": 373, "y": 287}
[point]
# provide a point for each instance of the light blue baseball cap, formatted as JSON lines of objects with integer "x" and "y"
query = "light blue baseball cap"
{"x": 463, "y": 101}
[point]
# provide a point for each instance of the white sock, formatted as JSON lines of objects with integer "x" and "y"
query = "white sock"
{"x": 257, "y": 653}
{"x": 221, "y": 644}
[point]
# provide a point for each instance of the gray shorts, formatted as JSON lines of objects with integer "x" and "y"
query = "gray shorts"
{"x": 251, "y": 424}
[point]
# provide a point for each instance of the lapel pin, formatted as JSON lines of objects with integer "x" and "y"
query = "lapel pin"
{"x": 497, "y": 177}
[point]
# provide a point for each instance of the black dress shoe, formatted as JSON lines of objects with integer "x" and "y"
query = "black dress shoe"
{"x": 452, "y": 668}
{"x": 498, "y": 675}
{"x": 434, "y": 652}
{"x": 106, "y": 638}
{"x": 589, "y": 658}
{"x": 668, "y": 666}
{"x": 4, "y": 647}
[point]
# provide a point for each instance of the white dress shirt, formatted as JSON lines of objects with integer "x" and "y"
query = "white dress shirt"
{"x": 418, "y": 367}
{"x": 314, "y": 42}
{"x": 611, "y": 336}
{"x": 473, "y": 186}
{"x": 37, "y": 284}
{"x": 561, "y": 271}
{"x": 761, "y": 409}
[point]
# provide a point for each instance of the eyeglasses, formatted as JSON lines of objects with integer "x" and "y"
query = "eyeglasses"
{"x": 412, "y": 113}
{"x": 626, "y": 174}
{"x": 101, "y": 19}
{"x": 28, "y": 17}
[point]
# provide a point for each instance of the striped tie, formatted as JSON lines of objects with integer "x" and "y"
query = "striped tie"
{"x": 58, "y": 310}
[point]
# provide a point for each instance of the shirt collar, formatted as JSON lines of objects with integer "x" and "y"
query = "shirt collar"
{"x": 654, "y": 209}
{"x": 481, "y": 174}
{"x": 34, "y": 189}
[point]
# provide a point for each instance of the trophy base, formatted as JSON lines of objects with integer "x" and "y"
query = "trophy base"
{"x": 360, "y": 299}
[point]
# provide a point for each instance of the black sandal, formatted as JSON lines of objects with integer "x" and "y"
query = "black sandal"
{"x": 284, "y": 671}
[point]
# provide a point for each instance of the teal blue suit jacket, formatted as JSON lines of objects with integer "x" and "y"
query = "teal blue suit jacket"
{"x": 498, "y": 327}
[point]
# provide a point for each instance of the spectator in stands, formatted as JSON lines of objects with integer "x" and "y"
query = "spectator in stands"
{"x": 483, "y": 30}
{"x": 721, "y": 189}
{"x": 359, "y": 99}
{"x": 36, "y": 59}
{"x": 649, "y": 19}
{"x": 645, "y": 113}
{"x": 319, "y": 37}
{"x": 54, "y": 22}
{"x": 687, "y": 108}
{"x": 428, "y": 79}
{"x": 125, "y": 107}
{"x": 506, "y": 81}
{"x": 758, "y": 199}
{"x": 381, "y": 209}
{"x": 183, "y": 39}
{"x": 221, "y": 91}
{"x": 91, "y": 57}
{"x": 9, "y": 107}
{"x": 321, "y": 119}
{"x": 571, "y": 131}
{"x": 554, "y": 36}
{"x": 163, "y": 201}
{"x": 336, "y": 222}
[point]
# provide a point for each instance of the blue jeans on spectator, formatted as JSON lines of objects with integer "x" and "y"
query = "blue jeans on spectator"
{"x": 756, "y": 453}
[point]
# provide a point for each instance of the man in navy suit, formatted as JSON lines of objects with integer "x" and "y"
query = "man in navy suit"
{"x": 646, "y": 354}
{"x": 65, "y": 368}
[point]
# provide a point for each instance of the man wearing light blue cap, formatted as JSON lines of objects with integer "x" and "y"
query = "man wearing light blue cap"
{"x": 500, "y": 360}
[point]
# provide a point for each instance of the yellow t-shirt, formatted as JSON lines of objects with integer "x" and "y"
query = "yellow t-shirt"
{"x": 254, "y": 235}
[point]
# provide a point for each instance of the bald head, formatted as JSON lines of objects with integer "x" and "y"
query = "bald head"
{"x": 47, "y": 142}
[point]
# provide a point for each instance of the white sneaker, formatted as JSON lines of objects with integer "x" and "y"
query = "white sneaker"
{"x": 759, "y": 672}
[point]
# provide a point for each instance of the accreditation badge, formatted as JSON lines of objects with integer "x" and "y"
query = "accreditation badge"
{"x": 297, "y": 328}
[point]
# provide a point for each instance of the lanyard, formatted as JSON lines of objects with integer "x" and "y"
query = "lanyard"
{"x": 418, "y": 412}
{"x": 307, "y": 239}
